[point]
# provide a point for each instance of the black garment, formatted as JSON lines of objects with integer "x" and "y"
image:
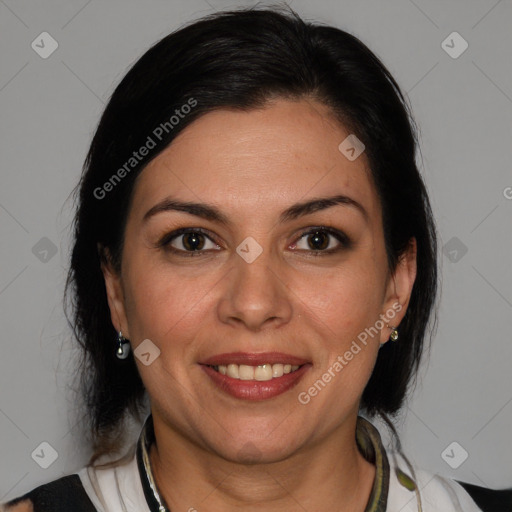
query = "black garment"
{"x": 66, "y": 494}
{"x": 490, "y": 500}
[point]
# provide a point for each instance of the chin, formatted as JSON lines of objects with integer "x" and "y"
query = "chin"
{"x": 250, "y": 451}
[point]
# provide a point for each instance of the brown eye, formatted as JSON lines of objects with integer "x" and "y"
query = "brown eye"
{"x": 322, "y": 240}
{"x": 188, "y": 240}
{"x": 318, "y": 240}
{"x": 193, "y": 241}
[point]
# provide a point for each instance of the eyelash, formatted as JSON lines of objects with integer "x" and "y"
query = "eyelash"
{"x": 342, "y": 238}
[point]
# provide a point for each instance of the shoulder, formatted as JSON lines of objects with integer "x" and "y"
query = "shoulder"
{"x": 438, "y": 493}
{"x": 23, "y": 506}
{"x": 61, "y": 495}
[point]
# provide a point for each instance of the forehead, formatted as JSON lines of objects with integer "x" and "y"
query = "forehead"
{"x": 260, "y": 160}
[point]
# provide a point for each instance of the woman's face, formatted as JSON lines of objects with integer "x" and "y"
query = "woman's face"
{"x": 264, "y": 282}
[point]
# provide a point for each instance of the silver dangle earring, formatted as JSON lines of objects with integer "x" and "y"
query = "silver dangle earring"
{"x": 123, "y": 347}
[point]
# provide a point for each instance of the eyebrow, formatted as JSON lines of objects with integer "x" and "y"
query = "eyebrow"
{"x": 210, "y": 212}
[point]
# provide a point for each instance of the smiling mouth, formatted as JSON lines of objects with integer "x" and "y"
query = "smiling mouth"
{"x": 262, "y": 372}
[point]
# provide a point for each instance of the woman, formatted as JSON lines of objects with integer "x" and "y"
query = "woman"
{"x": 255, "y": 254}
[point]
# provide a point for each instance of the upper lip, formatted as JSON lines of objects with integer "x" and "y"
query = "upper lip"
{"x": 254, "y": 359}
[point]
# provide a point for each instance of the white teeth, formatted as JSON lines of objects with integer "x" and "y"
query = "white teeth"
{"x": 261, "y": 372}
{"x": 232, "y": 371}
{"x": 277, "y": 370}
{"x": 245, "y": 372}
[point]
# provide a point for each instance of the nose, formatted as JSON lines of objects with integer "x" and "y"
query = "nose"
{"x": 255, "y": 295}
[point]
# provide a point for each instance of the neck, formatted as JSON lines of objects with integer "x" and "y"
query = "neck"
{"x": 330, "y": 476}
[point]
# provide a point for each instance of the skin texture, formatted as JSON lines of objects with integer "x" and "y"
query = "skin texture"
{"x": 24, "y": 506}
{"x": 215, "y": 452}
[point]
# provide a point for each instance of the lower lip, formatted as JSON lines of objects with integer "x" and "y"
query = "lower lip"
{"x": 256, "y": 389}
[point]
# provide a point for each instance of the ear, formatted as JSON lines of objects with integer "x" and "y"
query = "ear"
{"x": 399, "y": 289}
{"x": 115, "y": 295}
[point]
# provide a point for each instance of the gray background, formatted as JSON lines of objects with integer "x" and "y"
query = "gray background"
{"x": 49, "y": 110}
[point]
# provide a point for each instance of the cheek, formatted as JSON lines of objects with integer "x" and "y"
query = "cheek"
{"x": 346, "y": 300}
{"x": 343, "y": 309}
{"x": 161, "y": 302}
